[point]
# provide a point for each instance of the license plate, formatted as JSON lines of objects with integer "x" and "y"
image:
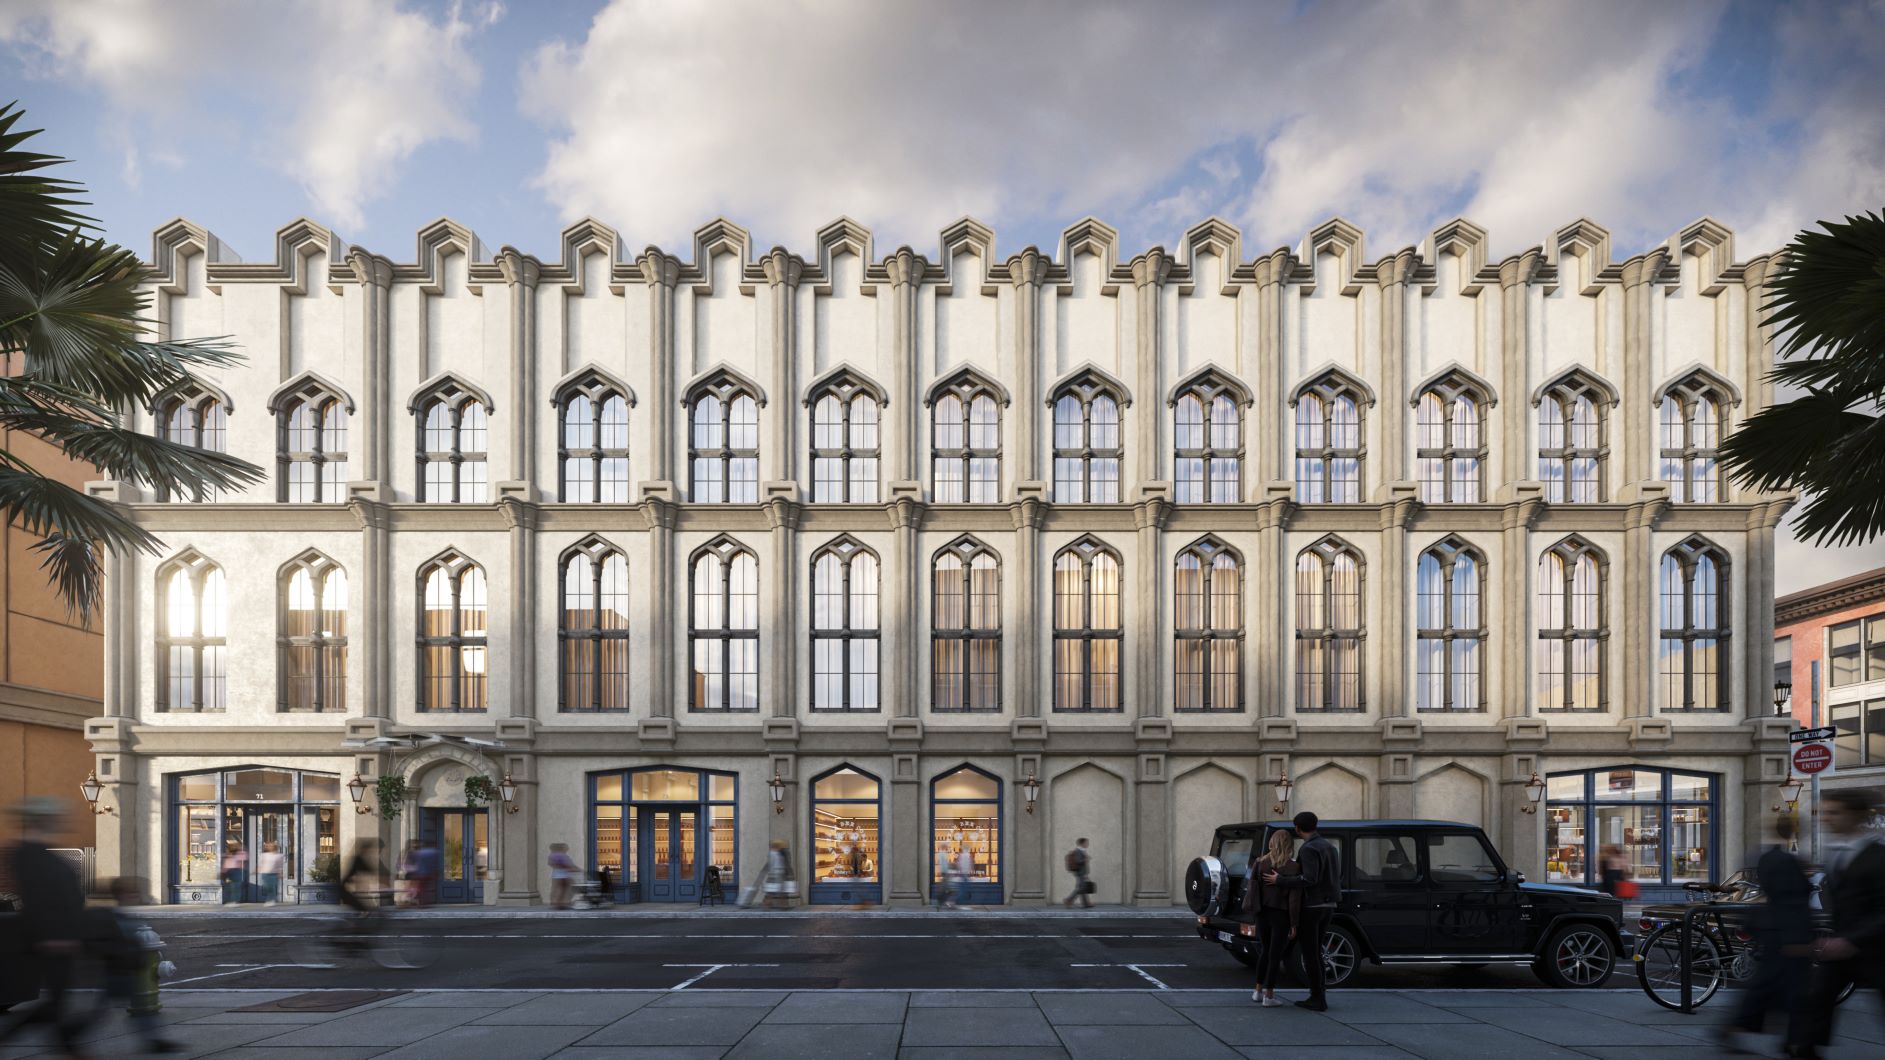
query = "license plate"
{"x": 1225, "y": 936}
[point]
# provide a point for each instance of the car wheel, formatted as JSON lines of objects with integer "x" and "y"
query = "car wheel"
{"x": 1204, "y": 886}
{"x": 1341, "y": 956}
{"x": 1577, "y": 957}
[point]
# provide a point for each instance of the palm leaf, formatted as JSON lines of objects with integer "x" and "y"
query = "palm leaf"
{"x": 72, "y": 527}
{"x": 33, "y": 208}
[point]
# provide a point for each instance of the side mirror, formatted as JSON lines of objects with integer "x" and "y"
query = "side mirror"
{"x": 1518, "y": 877}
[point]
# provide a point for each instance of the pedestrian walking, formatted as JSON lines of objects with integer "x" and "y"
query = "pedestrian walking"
{"x": 52, "y": 917}
{"x": 943, "y": 893}
{"x": 1854, "y": 893}
{"x": 562, "y": 870}
{"x": 1783, "y": 931}
{"x": 965, "y": 871}
{"x": 427, "y": 860}
{"x": 1320, "y": 884}
{"x": 268, "y": 866}
{"x": 780, "y": 885}
{"x": 366, "y": 879}
{"x": 1080, "y": 863}
{"x": 1277, "y": 910}
{"x": 235, "y": 872}
{"x": 131, "y": 956}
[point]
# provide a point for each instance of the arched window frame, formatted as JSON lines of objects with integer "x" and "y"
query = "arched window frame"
{"x": 600, "y": 456}
{"x": 1318, "y": 454}
{"x": 720, "y": 639}
{"x": 467, "y": 427}
{"x": 969, "y": 640}
{"x": 1317, "y": 646}
{"x": 1208, "y": 635}
{"x": 857, "y": 456}
{"x": 1218, "y": 467}
{"x": 1561, "y": 627}
{"x": 205, "y": 686}
{"x": 324, "y": 648}
{"x": 467, "y": 687}
{"x": 320, "y": 446}
{"x": 1574, "y": 473}
{"x": 1449, "y": 472}
{"x": 604, "y": 690}
{"x": 195, "y": 414}
{"x": 1692, "y": 416}
{"x": 1087, "y": 464}
{"x": 1451, "y": 631}
{"x": 978, "y": 458}
{"x": 735, "y": 463}
{"x": 1096, "y": 691}
{"x": 857, "y": 643}
{"x": 1683, "y": 631}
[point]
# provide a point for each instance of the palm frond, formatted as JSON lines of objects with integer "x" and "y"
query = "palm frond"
{"x": 84, "y": 431}
{"x": 1827, "y": 293}
{"x": 33, "y": 207}
{"x": 77, "y": 526}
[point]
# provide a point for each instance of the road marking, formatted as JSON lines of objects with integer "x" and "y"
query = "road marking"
{"x": 239, "y": 969}
{"x": 711, "y": 968}
{"x": 1138, "y": 969}
{"x": 591, "y": 935}
{"x": 1342, "y": 991}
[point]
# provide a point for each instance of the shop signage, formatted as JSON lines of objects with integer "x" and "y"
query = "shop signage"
{"x": 1812, "y": 751}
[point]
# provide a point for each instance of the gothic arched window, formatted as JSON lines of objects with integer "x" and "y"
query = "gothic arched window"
{"x": 1694, "y": 614}
{"x": 965, "y": 628}
{"x": 1691, "y": 417}
{"x": 1086, "y": 443}
{"x": 592, "y": 441}
{"x": 844, "y": 627}
{"x": 1208, "y": 443}
{"x": 192, "y": 635}
{"x": 1209, "y": 627}
{"x": 313, "y": 638}
{"x": 1450, "y": 628}
{"x": 846, "y": 416}
{"x": 1571, "y": 630}
{"x": 1450, "y": 442}
{"x": 193, "y": 415}
{"x": 1329, "y": 627}
{"x": 1088, "y": 629}
{"x": 723, "y": 442}
{"x": 966, "y": 442}
{"x": 592, "y": 629}
{"x": 454, "y": 439}
{"x": 311, "y": 445}
{"x": 454, "y": 622}
{"x": 723, "y": 628}
{"x": 1571, "y": 448}
{"x": 1328, "y": 442}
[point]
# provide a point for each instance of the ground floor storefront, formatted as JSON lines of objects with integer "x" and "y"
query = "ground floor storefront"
{"x": 275, "y": 818}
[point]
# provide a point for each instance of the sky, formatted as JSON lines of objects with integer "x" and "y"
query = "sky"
{"x": 377, "y": 116}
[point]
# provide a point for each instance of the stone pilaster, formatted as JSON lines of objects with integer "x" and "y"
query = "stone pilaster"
{"x": 1272, "y": 272}
{"x": 907, "y": 573}
{"x": 375, "y": 648}
{"x": 660, "y": 272}
{"x": 1632, "y": 602}
{"x": 1391, "y": 689}
{"x": 783, "y": 614}
{"x": 1637, "y": 462}
{"x": 117, "y": 613}
{"x": 781, "y": 456}
{"x": 659, "y": 513}
{"x": 519, "y": 852}
{"x": 1148, "y": 853}
{"x": 1392, "y": 274}
{"x": 1516, "y": 273}
{"x": 906, "y": 269}
{"x": 1029, "y": 512}
{"x": 1149, "y": 689}
{"x": 1523, "y": 502}
{"x": 1757, "y": 623}
{"x": 521, "y": 273}
{"x": 1027, "y": 271}
{"x": 375, "y": 276}
{"x": 1150, "y": 270}
{"x": 908, "y": 881}
{"x": 1268, "y": 601}
{"x": 523, "y": 519}
{"x": 1757, "y": 389}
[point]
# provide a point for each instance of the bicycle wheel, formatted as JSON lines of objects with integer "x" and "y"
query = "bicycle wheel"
{"x": 314, "y": 948}
{"x": 1659, "y": 967}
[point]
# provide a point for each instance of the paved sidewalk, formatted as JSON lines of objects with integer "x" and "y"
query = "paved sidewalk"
{"x": 664, "y": 911}
{"x": 1083, "y": 1025}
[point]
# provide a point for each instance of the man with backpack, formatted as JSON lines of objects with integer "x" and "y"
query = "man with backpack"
{"x": 1079, "y": 862}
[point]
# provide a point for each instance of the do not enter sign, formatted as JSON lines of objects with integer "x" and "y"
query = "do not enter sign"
{"x": 1812, "y": 759}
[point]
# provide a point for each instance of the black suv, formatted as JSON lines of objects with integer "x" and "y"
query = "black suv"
{"x": 1420, "y": 892}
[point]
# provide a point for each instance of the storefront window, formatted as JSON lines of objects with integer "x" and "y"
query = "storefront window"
{"x": 845, "y": 816}
{"x": 230, "y": 819}
{"x": 1635, "y": 832}
{"x": 197, "y": 855}
{"x": 1660, "y": 824}
{"x": 1688, "y": 844}
{"x": 666, "y": 785}
{"x": 662, "y": 851}
{"x": 965, "y": 815}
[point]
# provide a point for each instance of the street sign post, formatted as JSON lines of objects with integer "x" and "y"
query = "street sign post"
{"x": 1812, "y": 749}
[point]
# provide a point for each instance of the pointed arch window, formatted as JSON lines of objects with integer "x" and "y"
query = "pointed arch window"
{"x": 1691, "y": 420}
{"x": 592, "y": 629}
{"x": 1450, "y": 443}
{"x": 1694, "y": 613}
{"x": 311, "y": 447}
{"x": 592, "y": 446}
{"x": 192, "y": 636}
{"x": 844, "y": 627}
{"x": 723, "y": 450}
{"x": 454, "y": 440}
{"x": 1086, "y": 444}
{"x": 1329, "y": 627}
{"x": 1209, "y": 628}
{"x": 966, "y": 444}
{"x": 1571, "y": 630}
{"x": 193, "y": 416}
{"x": 1208, "y": 444}
{"x": 1571, "y": 450}
{"x": 313, "y": 638}
{"x": 454, "y": 623}
{"x": 965, "y": 626}
{"x": 1328, "y": 442}
{"x": 723, "y": 629}
{"x": 846, "y": 416}
{"x": 1088, "y": 630}
{"x": 1450, "y": 631}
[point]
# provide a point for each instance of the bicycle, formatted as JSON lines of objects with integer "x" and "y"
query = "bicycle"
{"x": 1722, "y": 949}
{"x": 347, "y": 936}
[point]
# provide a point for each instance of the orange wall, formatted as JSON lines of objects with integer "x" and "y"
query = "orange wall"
{"x": 1809, "y": 646}
{"x": 51, "y": 762}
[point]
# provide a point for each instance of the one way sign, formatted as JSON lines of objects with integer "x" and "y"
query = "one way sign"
{"x": 1824, "y": 732}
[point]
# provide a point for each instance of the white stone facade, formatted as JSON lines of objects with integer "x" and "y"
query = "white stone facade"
{"x": 1148, "y": 781}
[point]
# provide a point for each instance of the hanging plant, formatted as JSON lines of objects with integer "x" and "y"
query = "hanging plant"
{"x": 479, "y": 791}
{"x": 391, "y": 792}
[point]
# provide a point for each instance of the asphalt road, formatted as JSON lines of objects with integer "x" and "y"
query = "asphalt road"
{"x": 756, "y": 951}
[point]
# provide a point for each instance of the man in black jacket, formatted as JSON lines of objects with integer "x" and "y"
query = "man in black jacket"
{"x": 1783, "y": 930}
{"x": 52, "y": 913}
{"x": 1854, "y": 892}
{"x": 1321, "y": 885}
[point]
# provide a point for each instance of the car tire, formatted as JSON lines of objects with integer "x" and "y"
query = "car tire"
{"x": 1577, "y": 957}
{"x": 1204, "y": 886}
{"x": 1341, "y": 955}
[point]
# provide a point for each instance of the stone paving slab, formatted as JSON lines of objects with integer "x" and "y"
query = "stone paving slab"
{"x": 1465, "y": 1041}
{"x": 963, "y": 1027}
{"x": 718, "y": 998}
{"x": 1572, "y": 1028}
{"x": 660, "y": 1052}
{"x": 1289, "y": 1025}
{"x": 1136, "y": 1043}
{"x": 1329, "y": 1052}
{"x": 382, "y": 1026}
{"x": 1101, "y": 1010}
{"x": 1372, "y": 1007}
{"x": 551, "y": 1010}
{"x": 770, "y": 1041}
{"x": 971, "y": 999}
{"x": 656, "y": 1025}
{"x": 485, "y": 999}
{"x": 512, "y": 1043}
{"x": 998, "y": 1052}
{"x": 837, "y": 1009}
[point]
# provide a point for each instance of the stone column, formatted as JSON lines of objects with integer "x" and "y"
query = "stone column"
{"x": 523, "y": 519}
{"x": 660, "y": 272}
{"x": 783, "y": 271}
{"x": 1391, "y": 688}
{"x": 1632, "y": 599}
{"x": 1511, "y": 634}
{"x": 1392, "y": 273}
{"x": 1637, "y": 463}
{"x": 1272, "y": 579}
{"x": 1758, "y": 620}
{"x": 375, "y": 276}
{"x": 906, "y": 269}
{"x": 1027, "y": 271}
{"x": 1260, "y": 441}
{"x": 1757, "y": 390}
{"x": 520, "y": 854}
{"x": 903, "y": 608}
{"x": 658, "y": 513}
{"x": 1515, "y": 277}
{"x": 1148, "y": 850}
{"x": 1150, "y": 270}
{"x": 1028, "y": 513}
{"x": 1147, "y": 629}
{"x": 374, "y": 650}
{"x": 521, "y": 272}
{"x": 782, "y": 612}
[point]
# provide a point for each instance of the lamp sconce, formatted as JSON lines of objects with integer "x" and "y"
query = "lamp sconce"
{"x": 777, "y": 789}
{"x": 1534, "y": 792}
{"x": 1783, "y": 692}
{"x": 357, "y": 789}
{"x": 1283, "y": 788}
{"x": 1789, "y": 795}
{"x": 1031, "y": 790}
{"x": 92, "y": 790}
{"x": 507, "y": 790}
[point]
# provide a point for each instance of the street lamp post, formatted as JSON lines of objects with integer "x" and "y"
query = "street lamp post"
{"x": 1783, "y": 692}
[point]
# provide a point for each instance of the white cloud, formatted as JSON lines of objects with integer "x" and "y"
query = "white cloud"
{"x": 335, "y": 93}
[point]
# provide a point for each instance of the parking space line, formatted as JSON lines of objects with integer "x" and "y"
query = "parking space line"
{"x": 1139, "y": 970}
{"x": 710, "y": 969}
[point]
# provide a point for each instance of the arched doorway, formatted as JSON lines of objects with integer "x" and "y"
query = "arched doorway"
{"x": 965, "y": 814}
{"x": 846, "y": 809}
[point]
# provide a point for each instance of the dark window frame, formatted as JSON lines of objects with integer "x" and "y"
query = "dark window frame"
{"x": 1562, "y": 394}
{"x": 318, "y": 399}
{"x": 456, "y": 566}
{"x": 1569, "y": 551}
{"x": 1688, "y": 556}
{"x": 1329, "y": 388}
{"x": 1205, "y": 390}
{"x": 596, "y": 636}
{"x": 965, "y": 389}
{"x": 726, "y": 389}
{"x": 198, "y": 567}
{"x": 324, "y": 646}
{"x": 845, "y": 390}
{"x": 1085, "y": 551}
{"x": 1327, "y": 551}
{"x": 1085, "y": 392}
{"x": 455, "y": 398}
{"x": 1448, "y": 552}
{"x": 1688, "y": 395}
{"x": 1206, "y": 550}
{"x": 1448, "y": 390}
{"x": 727, "y": 550}
{"x": 197, "y": 401}
{"x": 965, "y": 550}
{"x": 597, "y": 390}
{"x": 846, "y": 633}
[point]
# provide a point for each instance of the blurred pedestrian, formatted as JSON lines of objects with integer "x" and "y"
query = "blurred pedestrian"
{"x": 1854, "y": 893}
{"x": 1783, "y": 930}
{"x": 131, "y": 956}
{"x": 562, "y": 870}
{"x": 1277, "y": 911}
{"x": 780, "y": 885}
{"x": 1080, "y": 863}
{"x": 427, "y": 861}
{"x": 268, "y": 866}
{"x": 52, "y": 915}
{"x": 235, "y": 872}
{"x": 965, "y": 872}
{"x": 1319, "y": 882}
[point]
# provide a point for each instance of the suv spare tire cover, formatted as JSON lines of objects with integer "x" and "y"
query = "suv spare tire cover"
{"x": 1204, "y": 885}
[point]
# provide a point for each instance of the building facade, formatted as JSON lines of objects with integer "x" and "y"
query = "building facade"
{"x": 890, "y": 555}
{"x": 1829, "y": 647}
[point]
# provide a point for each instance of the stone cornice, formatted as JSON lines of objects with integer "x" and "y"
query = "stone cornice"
{"x": 40, "y": 706}
{"x": 1845, "y": 594}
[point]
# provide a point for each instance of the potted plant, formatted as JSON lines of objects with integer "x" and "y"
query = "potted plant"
{"x": 479, "y": 791}
{"x": 323, "y": 882}
{"x": 391, "y": 791}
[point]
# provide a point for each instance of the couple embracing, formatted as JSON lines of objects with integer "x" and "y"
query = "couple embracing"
{"x": 1292, "y": 893}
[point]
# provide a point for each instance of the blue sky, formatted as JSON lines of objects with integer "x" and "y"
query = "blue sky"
{"x": 377, "y": 116}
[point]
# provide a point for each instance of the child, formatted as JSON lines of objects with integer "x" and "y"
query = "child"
{"x": 132, "y": 957}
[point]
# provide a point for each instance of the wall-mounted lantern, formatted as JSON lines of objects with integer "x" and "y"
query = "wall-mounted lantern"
{"x": 777, "y": 789}
{"x": 1283, "y": 788}
{"x": 1031, "y": 790}
{"x": 507, "y": 790}
{"x": 1783, "y": 691}
{"x": 357, "y": 789}
{"x": 92, "y": 790}
{"x": 1534, "y": 793}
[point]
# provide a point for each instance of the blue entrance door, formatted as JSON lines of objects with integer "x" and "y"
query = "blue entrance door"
{"x": 462, "y": 840}
{"x": 670, "y": 871}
